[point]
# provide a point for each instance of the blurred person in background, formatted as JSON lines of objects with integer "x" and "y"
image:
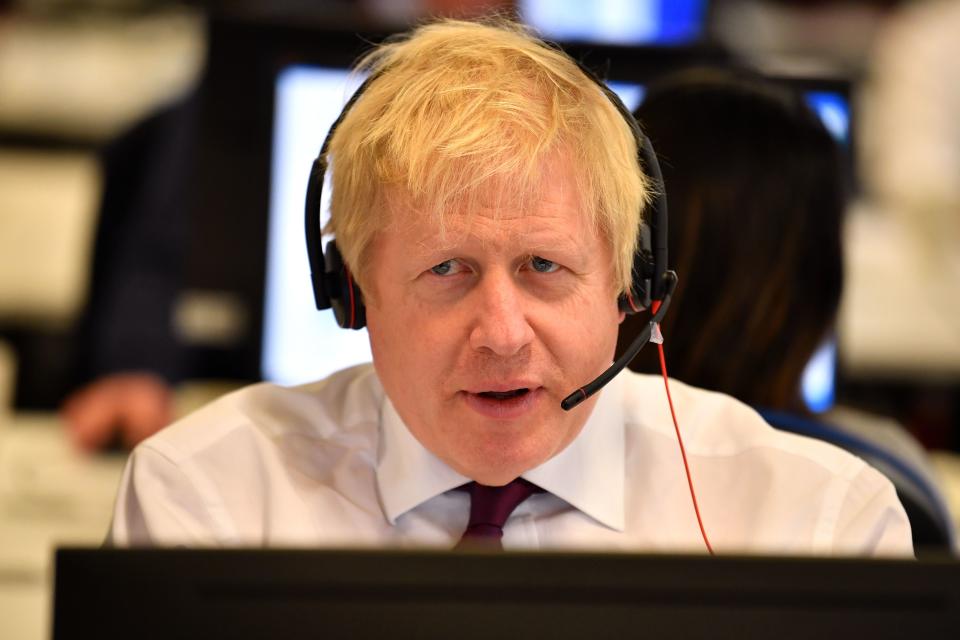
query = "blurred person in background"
{"x": 130, "y": 358}
{"x": 128, "y": 354}
{"x": 758, "y": 191}
{"x": 755, "y": 183}
{"x": 60, "y": 66}
{"x": 902, "y": 246}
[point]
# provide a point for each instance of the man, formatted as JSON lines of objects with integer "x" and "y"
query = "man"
{"x": 486, "y": 198}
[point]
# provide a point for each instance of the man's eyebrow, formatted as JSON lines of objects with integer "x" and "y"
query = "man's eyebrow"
{"x": 553, "y": 244}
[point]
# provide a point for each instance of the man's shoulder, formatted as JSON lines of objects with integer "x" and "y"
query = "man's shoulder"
{"x": 715, "y": 424}
{"x": 346, "y": 402}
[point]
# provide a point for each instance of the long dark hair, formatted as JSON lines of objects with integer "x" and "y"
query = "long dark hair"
{"x": 756, "y": 191}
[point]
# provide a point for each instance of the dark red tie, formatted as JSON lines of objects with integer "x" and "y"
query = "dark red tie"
{"x": 489, "y": 509}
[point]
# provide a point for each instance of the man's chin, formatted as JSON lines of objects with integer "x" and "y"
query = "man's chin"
{"x": 497, "y": 464}
{"x": 497, "y": 477}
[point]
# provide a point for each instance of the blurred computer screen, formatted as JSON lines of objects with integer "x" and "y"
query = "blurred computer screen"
{"x": 624, "y": 22}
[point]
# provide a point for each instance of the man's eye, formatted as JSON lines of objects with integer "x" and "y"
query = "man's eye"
{"x": 542, "y": 265}
{"x": 446, "y": 268}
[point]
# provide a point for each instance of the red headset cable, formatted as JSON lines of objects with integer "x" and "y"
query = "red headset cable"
{"x": 676, "y": 426}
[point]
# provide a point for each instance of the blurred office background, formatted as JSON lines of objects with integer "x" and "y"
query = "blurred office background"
{"x": 152, "y": 161}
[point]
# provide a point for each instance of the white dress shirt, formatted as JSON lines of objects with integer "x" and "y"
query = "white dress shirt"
{"x": 332, "y": 464}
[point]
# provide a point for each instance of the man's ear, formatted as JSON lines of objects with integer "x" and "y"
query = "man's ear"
{"x": 623, "y": 316}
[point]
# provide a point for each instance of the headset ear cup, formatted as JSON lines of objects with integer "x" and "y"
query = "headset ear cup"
{"x": 626, "y": 303}
{"x": 347, "y": 304}
{"x": 318, "y": 266}
{"x": 639, "y": 297}
{"x": 356, "y": 315}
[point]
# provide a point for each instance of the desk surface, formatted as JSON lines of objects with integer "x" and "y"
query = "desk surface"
{"x": 50, "y": 495}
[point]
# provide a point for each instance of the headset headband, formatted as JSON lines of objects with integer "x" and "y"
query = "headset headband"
{"x": 333, "y": 284}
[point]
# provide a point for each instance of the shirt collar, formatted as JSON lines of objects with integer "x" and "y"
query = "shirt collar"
{"x": 588, "y": 474}
{"x": 407, "y": 473}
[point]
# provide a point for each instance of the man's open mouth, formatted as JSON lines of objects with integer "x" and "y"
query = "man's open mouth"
{"x": 504, "y": 395}
{"x": 506, "y": 404}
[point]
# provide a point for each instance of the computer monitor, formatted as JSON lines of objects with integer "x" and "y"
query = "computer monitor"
{"x": 298, "y": 343}
{"x": 291, "y": 594}
{"x": 622, "y": 22}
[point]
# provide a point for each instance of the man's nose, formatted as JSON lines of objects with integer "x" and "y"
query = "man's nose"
{"x": 501, "y": 325}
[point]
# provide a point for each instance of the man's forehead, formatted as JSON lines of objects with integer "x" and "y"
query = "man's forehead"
{"x": 553, "y": 202}
{"x": 546, "y": 221}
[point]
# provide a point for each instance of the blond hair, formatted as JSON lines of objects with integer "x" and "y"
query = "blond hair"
{"x": 458, "y": 112}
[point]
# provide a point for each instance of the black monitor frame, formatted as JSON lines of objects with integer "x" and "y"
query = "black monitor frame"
{"x": 291, "y": 594}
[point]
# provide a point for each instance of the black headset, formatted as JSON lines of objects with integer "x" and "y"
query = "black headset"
{"x": 334, "y": 286}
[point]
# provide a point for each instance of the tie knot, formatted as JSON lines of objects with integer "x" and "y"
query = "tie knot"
{"x": 491, "y": 506}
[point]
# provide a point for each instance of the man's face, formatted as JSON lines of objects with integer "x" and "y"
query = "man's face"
{"x": 479, "y": 333}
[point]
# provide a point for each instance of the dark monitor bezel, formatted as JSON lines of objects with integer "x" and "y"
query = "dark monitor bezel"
{"x": 255, "y": 593}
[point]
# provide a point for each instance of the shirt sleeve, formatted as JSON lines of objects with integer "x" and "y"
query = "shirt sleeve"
{"x": 871, "y": 520}
{"x": 160, "y": 504}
